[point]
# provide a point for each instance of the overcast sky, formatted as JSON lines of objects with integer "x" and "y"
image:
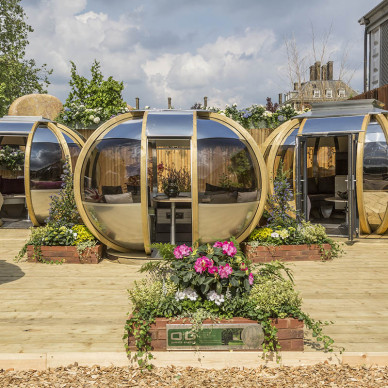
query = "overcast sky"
{"x": 230, "y": 51}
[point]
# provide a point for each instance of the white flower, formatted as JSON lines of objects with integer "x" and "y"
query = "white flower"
{"x": 146, "y": 107}
{"x": 96, "y": 120}
{"x": 75, "y": 235}
{"x": 91, "y": 117}
{"x": 234, "y": 105}
{"x": 275, "y": 235}
{"x": 188, "y": 293}
{"x": 217, "y": 299}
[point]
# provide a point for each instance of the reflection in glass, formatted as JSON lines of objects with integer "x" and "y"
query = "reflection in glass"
{"x": 228, "y": 185}
{"x": 169, "y": 124}
{"x": 375, "y": 175}
{"x": 46, "y": 165}
{"x": 333, "y": 124}
{"x": 111, "y": 192}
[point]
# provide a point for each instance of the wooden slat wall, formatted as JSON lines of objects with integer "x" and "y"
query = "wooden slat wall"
{"x": 260, "y": 134}
{"x": 380, "y": 94}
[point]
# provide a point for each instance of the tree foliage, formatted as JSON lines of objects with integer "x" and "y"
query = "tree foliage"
{"x": 18, "y": 75}
{"x": 94, "y": 100}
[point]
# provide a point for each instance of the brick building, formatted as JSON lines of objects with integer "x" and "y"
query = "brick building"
{"x": 321, "y": 87}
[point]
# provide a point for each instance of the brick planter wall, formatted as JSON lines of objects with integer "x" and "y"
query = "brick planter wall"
{"x": 290, "y": 332}
{"x": 264, "y": 254}
{"x": 67, "y": 254}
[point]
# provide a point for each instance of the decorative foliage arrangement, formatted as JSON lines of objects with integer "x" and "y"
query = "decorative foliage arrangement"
{"x": 64, "y": 225}
{"x": 257, "y": 116}
{"x": 91, "y": 102}
{"x": 11, "y": 158}
{"x": 213, "y": 282}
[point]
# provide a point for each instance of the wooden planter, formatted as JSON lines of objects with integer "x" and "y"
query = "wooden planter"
{"x": 264, "y": 254}
{"x": 67, "y": 254}
{"x": 290, "y": 333}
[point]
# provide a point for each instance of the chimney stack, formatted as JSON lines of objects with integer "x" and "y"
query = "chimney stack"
{"x": 169, "y": 102}
{"x": 317, "y": 70}
{"x": 312, "y": 73}
{"x": 137, "y": 103}
{"x": 295, "y": 85}
{"x": 330, "y": 73}
{"x": 204, "y": 102}
{"x": 324, "y": 72}
{"x": 280, "y": 98}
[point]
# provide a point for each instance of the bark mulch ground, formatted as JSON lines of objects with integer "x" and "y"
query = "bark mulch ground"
{"x": 321, "y": 375}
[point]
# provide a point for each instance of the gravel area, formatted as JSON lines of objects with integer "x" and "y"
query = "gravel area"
{"x": 321, "y": 375}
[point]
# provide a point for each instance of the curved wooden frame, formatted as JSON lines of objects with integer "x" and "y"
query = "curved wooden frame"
{"x": 364, "y": 224}
{"x": 194, "y": 182}
{"x": 105, "y": 127}
{"x": 265, "y": 147}
{"x": 382, "y": 120}
{"x": 144, "y": 186}
{"x": 65, "y": 149}
{"x": 278, "y": 141}
{"x": 261, "y": 165}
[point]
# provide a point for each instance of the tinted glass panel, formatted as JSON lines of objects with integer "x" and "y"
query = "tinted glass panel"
{"x": 46, "y": 160}
{"x": 375, "y": 175}
{"x": 112, "y": 185}
{"x": 227, "y": 180}
{"x": 333, "y": 124}
{"x": 17, "y": 127}
{"x": 170, "y": 124}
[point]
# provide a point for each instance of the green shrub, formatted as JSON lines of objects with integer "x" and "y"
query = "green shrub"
{"x": 275, "y": 297}
{"x": 148, "y": 294}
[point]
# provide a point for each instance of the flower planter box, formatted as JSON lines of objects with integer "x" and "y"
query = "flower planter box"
{"x": 264, "y": 254}
{"x": 67, "y": 254}
{"x": 290, "y": 333}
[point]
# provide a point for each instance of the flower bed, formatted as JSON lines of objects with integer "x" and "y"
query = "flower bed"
{"x": 290, "y": 332}
{"x": 213, "y": 283}
{"x": 303, "y": 252}
{"x": 64, "y": 254}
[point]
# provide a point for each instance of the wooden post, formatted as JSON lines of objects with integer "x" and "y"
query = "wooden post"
{"x": 137, "y": 103}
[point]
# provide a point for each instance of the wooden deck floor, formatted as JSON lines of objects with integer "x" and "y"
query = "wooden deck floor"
{"x": 82, "y": 308}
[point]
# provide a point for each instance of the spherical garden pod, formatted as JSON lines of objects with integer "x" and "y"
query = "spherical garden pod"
{"x": 48, "y": 145}
{"x": 169, "y": 176}
{"x": 337, "y": 158}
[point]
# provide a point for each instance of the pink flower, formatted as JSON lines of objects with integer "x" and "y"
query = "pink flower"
{"x": 243, "y": 267}
{"x": 202, "y": 263}
{"x": 218, "y": 244}
{"x": 225, "y": 271}
{"x": 228, "y": 248}
{"x": 182, "y": 251}
{"x": 250, "y": 278}
{"x": 212, "y": 269}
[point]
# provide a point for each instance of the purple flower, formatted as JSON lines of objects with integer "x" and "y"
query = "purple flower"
{"x": 225, "y": 271}
{"x": 251, "y": 278}
{"x": 202, "y": 263}
{"x": 182, "y": 251}
{"x": 228, "y": 248}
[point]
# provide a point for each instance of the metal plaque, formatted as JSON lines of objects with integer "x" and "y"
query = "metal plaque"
{"x": 218, "y": 336}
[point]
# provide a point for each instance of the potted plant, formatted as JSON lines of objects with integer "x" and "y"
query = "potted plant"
{"x": 64, "y": 238}
{"x": 215, "y": 284}
{"x": 284, "y": 238}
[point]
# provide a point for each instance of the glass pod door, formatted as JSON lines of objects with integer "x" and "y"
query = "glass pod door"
{"x": 325, "y": 182}
{"x": 169, "y": 190}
